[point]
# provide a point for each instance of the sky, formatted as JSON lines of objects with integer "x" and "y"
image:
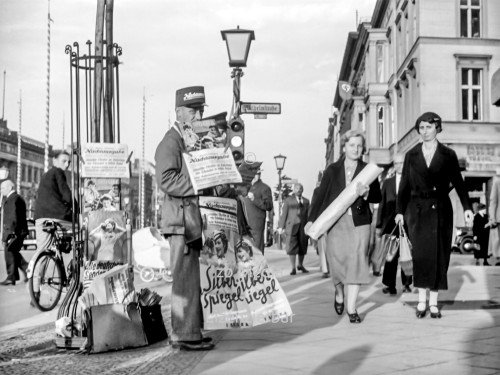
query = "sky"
{"x": 294, "y": 60}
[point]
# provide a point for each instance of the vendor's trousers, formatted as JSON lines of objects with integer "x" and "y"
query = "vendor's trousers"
{"x": 186, "y": 314}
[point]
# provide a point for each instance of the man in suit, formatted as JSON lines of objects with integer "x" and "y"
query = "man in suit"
{"x": 15, "y": 228}
{"x": 54, "y": 199}
{"x": 258, "y": 201}
{"x": 386, "y": 224}
{"x": 292, "y": 221}
{"x": 182, "y": 222}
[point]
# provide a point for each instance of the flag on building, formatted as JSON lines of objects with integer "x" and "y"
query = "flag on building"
{"x": 345, "y": 90}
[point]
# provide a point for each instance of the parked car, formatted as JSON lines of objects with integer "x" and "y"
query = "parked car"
{"x": 30, "y": 240}
{"x": 464, "y": 241}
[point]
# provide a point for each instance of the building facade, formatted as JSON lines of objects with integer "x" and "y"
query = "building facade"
{"x": 415, "y": 56}
{"x": 32, "y": 163}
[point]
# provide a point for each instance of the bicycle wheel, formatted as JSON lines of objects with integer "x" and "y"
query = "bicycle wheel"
{"x": 147, "y": 274}
{"x": 167, "y": 276}
{"x": 46, "y": 282}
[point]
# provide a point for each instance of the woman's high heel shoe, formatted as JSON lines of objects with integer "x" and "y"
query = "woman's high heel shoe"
{"x": 339, "y": 306}
{"x": 421, "y": 313}
{"x": 354, "y": 317}
{"x": 435, "y": 315}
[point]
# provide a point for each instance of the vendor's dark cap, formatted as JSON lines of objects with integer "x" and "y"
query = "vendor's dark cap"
{"x": 429, "y": 117}
{"x": 193, "y": 96}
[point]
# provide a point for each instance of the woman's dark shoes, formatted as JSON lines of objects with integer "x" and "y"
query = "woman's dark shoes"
{"x": 435, "y": 313}
{"x": 421, "y": 313}
{"x": 339, "y": 307}
{"x": 303, "y": 269}
{"x": 354, "y": 317}
{"x": 8, "y": 282}
{"x": 293, "y": 272}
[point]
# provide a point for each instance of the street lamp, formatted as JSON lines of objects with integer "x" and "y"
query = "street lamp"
{"x": 238, "y": 43}
{"x": 280, "y": 164}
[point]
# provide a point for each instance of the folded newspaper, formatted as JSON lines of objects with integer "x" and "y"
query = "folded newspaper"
{"x": 114, "y": 286}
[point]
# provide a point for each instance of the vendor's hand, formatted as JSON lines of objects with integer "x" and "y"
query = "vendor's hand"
{"x": 362, "y": 190}
{"x": 469, "y": 217}
{"x": 378, "y": 232}
{"x": 308, "y": 226}
{"x": 251, "y": 196}
{"x": 399, "y": 219}
{"x": 280, "y": 230}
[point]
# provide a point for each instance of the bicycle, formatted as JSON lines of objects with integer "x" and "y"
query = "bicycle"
{"x": 46, "y": 271}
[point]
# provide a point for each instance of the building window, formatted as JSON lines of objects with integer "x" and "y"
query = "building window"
{"x": 380, "y": 63}
{"x": 472, "y": 83}
{"x": 470, "y": 20}
{"x": 380, "y": 125}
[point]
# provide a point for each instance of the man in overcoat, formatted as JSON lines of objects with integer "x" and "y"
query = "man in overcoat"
{"x": 15, "y": 229}
{"x": 258, "y": 201}
{"x": 182, "y": 223}
{"x": 292, "y": 221}
{"x": 386, "y": 225}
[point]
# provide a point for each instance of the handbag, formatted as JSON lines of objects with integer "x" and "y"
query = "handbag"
{"x": 380, "y": 251}
{"x": 405, "y": 248}
{"x": 391, "y": 242}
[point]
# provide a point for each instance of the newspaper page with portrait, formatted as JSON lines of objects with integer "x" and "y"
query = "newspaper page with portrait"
{"x": 238, "y": 289}
{"x": 211, "y": 167}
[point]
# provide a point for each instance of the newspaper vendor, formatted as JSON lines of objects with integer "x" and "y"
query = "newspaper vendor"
{"x": 182, "y": 222}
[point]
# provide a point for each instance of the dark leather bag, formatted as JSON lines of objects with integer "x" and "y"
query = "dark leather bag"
{"x": 193, "y": 224}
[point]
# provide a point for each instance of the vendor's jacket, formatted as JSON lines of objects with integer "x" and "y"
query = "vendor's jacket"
{"x": 180, "y": 212}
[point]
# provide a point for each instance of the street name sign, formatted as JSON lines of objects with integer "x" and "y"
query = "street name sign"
{"x": 261, "y": 108}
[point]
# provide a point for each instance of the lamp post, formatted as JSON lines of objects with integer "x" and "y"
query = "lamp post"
{"x": 280, "y": 164}
{"x": 238, "y": 43}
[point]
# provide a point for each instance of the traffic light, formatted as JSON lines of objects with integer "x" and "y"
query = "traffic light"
{"x": 236, "y": 139}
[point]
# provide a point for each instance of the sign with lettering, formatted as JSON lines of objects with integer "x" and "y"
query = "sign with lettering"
{"x": 238, "y": 289}
{"x": 261, "y": 108}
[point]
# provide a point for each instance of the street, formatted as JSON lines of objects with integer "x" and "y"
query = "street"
{"x": 314, "y": 341}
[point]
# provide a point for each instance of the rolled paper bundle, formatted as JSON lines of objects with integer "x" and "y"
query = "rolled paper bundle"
{"x": 345, "y": 199}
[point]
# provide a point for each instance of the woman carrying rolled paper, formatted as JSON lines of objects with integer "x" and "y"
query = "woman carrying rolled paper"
{"x": 348, "y": 239}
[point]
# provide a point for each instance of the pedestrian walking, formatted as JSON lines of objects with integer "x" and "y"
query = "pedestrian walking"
{"x": 258, "y": 201}
{"x": 386, "y": 225}
{"x": 182, "y": 223}
{"x": 292, "y": 221}
{"x": 481, "y": 232}
{"x": 54, "y": 199}
{"x": 348, "y": 240}
{"x": 14, "y": 230}
{"x": 494, "y": 219}
{"x": 423, "y": 204}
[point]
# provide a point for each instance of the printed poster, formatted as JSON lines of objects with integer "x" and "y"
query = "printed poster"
{"x": 211, "y": 167}
{"x": 107, "y": 244}
{"x": 106, "y": 160}
{"x": 238, "y": 289}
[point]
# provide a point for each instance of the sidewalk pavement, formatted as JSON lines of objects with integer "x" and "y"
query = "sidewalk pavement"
{"x": 390, "y": 340}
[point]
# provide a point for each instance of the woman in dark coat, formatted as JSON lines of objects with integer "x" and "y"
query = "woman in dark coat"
{"x": 348, "y": 240}
{"x": 430, "y": 170}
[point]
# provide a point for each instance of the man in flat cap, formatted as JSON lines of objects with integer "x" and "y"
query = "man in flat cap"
{"x": 182, "y": 223}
